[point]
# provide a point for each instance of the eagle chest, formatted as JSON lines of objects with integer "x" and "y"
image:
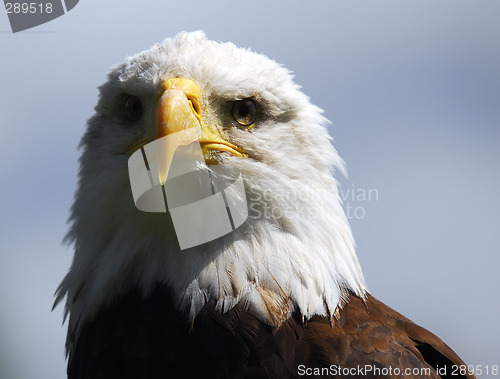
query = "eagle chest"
{"x": 148, "y": 338}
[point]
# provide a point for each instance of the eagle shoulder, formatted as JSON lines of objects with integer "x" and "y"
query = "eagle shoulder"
{"x": 367, "y": 334}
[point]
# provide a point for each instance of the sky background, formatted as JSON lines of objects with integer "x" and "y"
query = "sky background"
{"x": 413, "y": 92}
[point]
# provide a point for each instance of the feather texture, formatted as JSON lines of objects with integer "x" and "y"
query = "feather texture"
{"x": 148, "y": 338}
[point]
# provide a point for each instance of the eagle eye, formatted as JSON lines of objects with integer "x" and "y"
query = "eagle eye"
{"x": 133, "y": 108}
{"x": 245, "y": 112}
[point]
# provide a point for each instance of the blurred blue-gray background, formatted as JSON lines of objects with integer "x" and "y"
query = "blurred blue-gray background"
{"x": 412, "y": 89}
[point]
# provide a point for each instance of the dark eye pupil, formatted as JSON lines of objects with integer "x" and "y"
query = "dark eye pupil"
{"x": 244, "y": 109}
{"x": 133, "y": 108}
{"x": 245, "y": 112}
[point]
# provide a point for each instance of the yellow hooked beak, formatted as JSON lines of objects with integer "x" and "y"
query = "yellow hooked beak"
{"x": 179, "y": 109}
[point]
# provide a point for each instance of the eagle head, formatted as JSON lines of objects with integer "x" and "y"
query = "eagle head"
{"x": 293, "y": 253}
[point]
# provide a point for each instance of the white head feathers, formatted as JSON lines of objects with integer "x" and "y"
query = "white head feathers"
{"x": 294, "y": 253}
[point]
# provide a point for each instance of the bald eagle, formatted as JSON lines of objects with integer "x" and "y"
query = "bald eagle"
{"x": 280, "y": 294}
